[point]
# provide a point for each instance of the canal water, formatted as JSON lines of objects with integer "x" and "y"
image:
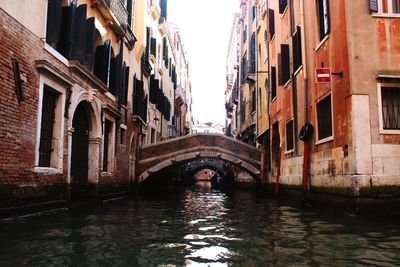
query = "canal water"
{"x": 199, "y": 227}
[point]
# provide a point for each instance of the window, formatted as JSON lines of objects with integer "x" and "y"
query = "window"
{"x": 385, "y": 6}
{"x": 122, "y": 140}
{"x": 69, "y": 32}
{"x": 108, "y": 148}
{"x": 323, "y": 18}
{"x": 50, "y": 126}
{"x": 289, "y": 136}
{"x": 282, "y": 6}
{"x": 244, "y": 33}
{"x": 254, "y": 12}
{"x": 271, "y": 23}
{"x": 324, "y": 114}
{"x": 390, "y": 99}
{"x": 252, "y": 62}
{"x": 46, "y": 147}
{"x": 273, "y": 83}
{"x": 284, "y": 69}
{"x": 253, "y": 101}
{"x": 297, "y": 60}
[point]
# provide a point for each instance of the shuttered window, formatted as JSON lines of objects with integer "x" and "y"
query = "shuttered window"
{"x": 107, "y": 144}
{"x": 385, "y": 6}
{"x": 285, "y": 64}
{"x": 297, "y": 59}
{"x": 125, "y": 79}
{"x": 289, "y": 136}
{"x": 324, "y": 114}
{"x": 102, "y": 62}
{"x": 323, "y": 18}
{"x": 391, "y": 108}
{"x": 273, "y": 83}
{"x": 47, "y": 126}
{"x": 282, "y": 6}
{"x": 153, "y": 47}
{"x": 54, "y": 11}
{"x": 271, "y": 22}
{"x": 253, "y": 101}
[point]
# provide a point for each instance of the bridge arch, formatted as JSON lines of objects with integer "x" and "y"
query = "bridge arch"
{"x": 159, "y": 156}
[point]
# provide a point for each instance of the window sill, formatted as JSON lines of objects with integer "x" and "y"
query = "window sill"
{"x": 386, "y": 15}
{"x": 47, "y": 170}
{"x": 284, "y": 11}
{"x": 327, "y": 139}
{"x": 289, "y": 151}
{"x": 298, "y": 70}
{"x": 383, "y": 131}
{"x": 272, "y": 39}
{"x": 321, "y": 43}
{"x": 56, "y": 54}
{"x": 286, "y": 84}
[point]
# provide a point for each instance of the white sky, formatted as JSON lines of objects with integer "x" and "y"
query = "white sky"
{"x": 205, "y": 28}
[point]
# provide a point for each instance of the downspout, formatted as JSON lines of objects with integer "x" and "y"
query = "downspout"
{"x": 294, "y": 82}
{"x": 306, "y": 184}
{"x": 269, "y": 91}
{"x": 256, "y": 67}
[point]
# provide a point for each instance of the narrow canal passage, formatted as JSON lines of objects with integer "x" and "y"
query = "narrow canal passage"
{"x": 199, "y": 227}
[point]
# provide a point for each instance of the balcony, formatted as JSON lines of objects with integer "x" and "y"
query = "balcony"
{"x": 116, "y": 14}
{"x": 146, "y": 67}
{"x": 250, "y": 71}
{"x": 155, "y": 9}
{"x": 179, "y": 96}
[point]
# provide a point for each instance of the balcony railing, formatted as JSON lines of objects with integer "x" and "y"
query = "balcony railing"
{"x": 179, "y": 95}
{"x": 116, "y": 12}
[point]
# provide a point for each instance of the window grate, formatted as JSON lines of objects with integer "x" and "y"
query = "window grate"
{"x": 47, "y": 125}
{"x": 391, "y": 108}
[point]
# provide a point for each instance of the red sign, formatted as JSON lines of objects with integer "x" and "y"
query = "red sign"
{"x": 323, "y": 75}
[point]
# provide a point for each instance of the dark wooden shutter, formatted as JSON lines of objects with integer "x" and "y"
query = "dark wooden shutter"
{"x": 280, "y": 80}
{"x": 62, "y": 46}
{"x": 78, "y": 33}
{"x": 273, "y": 83}
{"x": 153, "y": 46}
{"x": 285, "y": 63}
{"x": 54, "y": 14}
{"x": 373, "y": 5}
{"x": 147, "y": 51}
{"x": 71, "y": 40}
{"x": 102, "y": 62}
{"x": 297, "y": 57}
{"x": 154, "y": 87}
{"x": 282, "y": 6}
{"x": 271, "y": 16}
{"x": 116, "y": 75}
{"x": 125, "y": 82}
{"x": 90, "y": 43}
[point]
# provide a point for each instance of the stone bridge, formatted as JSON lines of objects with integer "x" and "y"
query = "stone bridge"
{"x": 160, "y": 156}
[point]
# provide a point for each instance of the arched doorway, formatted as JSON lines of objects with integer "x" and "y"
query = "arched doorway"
{"x": 80, "y": 148}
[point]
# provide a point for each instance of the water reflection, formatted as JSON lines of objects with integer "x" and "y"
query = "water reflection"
{"x": 199, "y": 227}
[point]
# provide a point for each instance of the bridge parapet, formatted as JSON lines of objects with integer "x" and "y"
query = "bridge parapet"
{"x": 158, "y": 156}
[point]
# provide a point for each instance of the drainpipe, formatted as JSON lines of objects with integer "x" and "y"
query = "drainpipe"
{"x": 306, "y": 181}
{"x": 256, "y": 68}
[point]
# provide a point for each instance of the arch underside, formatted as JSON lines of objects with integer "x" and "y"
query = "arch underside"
{"x": 249, "y": 165}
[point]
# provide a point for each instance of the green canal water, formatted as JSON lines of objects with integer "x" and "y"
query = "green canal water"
{"x": 199, "y": 227}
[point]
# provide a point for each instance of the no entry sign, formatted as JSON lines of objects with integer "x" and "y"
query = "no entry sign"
{"x": 323, "y": 75}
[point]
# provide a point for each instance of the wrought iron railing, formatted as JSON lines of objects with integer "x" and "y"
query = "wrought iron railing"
{"x": 119, "y": 10}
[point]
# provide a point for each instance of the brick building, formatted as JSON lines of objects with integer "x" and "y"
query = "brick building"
{"x": 75, "y": 98}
